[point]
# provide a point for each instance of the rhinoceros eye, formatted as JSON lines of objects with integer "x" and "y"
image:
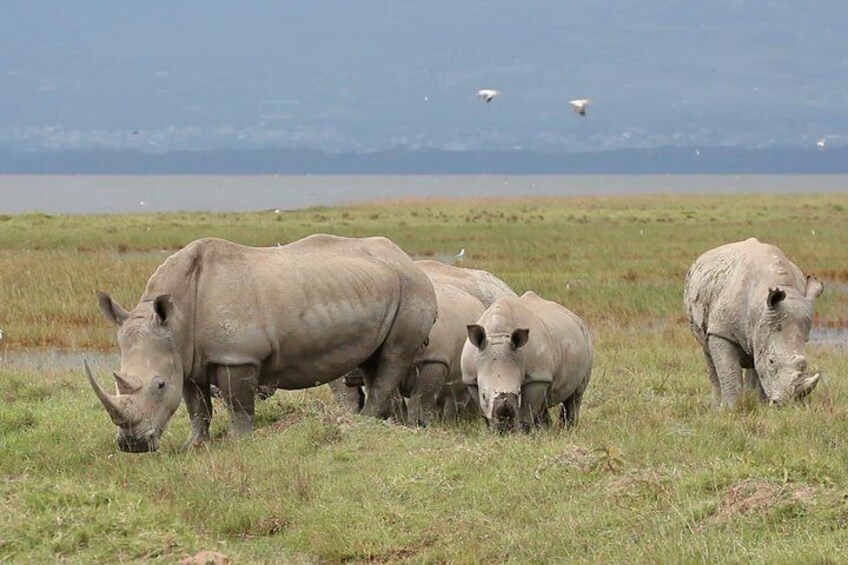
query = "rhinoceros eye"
{"x": 159, "y": 384}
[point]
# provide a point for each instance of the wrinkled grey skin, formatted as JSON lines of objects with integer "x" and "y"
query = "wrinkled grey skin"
{"x": 482, "y": 285}
{"x": 751, "y": 308}
{"x": 523, "y": 356}
{"x": 289, "y": 317}
{"x": 453, "y": 401}
{"x": 436, "y": 385}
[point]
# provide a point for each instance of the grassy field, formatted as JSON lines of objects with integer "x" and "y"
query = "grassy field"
{"x": 652, "y": 474}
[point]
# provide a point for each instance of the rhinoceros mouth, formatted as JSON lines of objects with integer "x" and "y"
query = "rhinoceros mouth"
{"x": 137, "y": 443}
{"x": 503, "y": 426}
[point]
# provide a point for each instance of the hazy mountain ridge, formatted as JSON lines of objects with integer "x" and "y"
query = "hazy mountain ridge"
{"x": 375, "y": 76}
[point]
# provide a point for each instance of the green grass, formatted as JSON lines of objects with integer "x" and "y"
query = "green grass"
{"x": 653, "y": 474}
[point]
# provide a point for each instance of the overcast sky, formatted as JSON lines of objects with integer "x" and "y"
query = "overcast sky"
{"x": 367, "y": 75}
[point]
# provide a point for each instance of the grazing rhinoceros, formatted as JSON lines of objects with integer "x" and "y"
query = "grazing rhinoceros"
{"x": 524, "y": 355}
{"x": 290, "y": 317}
{"x": 482, "y": 285}
{"x": 435, "y": 385}
{"x": 462, "y": 295}
{"x": 750, "y": 307}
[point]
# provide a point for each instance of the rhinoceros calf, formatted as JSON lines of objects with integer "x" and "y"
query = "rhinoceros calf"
{"x": 289, "y": 317}
{"x": 439, "y": 361}
{"x": 751, "y": 308}
{"x": 524, "y": 355}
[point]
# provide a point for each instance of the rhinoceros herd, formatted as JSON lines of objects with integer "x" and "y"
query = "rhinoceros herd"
{"x": 415, "y": 340}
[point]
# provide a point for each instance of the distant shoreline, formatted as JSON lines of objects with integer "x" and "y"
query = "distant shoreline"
{"x": 98, "y": 194}
{"x": 633, "y": 161}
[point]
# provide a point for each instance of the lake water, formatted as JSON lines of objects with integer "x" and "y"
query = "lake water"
{"x": 95, "y": 194}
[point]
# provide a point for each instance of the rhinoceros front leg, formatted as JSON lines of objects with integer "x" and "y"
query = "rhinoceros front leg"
{"x": 716, "y": 385}
{"x": 534, "y": 406}
{"x": 727, "y": 361}
{"x": 423, "y": 401}
{"x": 199, "y": 406}
{"x": 238, "y": 385}
{"x": 752, "y": 381}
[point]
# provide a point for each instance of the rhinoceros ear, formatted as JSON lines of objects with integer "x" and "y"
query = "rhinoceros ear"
{"x": 519, "y": 337}
{"x": 111, "y": 310}
{"x": 775, "y": 297}
{"x": 477, "y": 335}
{"x": 163, "y": 307}
{"x": 814, "y": 288}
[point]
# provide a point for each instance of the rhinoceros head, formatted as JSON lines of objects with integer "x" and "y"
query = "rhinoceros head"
{"x": 779, "y": 342}
{"x": 149, "y": 384}
{"x": 500, "y": 374}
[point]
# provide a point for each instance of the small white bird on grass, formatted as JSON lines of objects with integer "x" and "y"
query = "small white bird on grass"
{"x": 488, "y": 94}
{"x": 579, "y": 105}
{"x": 461, "y": 255}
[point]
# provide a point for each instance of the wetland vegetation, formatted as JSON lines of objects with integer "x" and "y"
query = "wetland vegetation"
{"x": 652, "y": 474}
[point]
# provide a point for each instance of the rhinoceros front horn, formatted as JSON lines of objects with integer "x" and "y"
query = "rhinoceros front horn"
{"x": 115, "y": 410}
{"x": 806, "y": 385}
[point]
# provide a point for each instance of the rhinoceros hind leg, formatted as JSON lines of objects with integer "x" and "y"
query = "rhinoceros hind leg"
{"x": 727, "y": 361}
{"x": 570, "y": 414}
{"x": 198, "y": 401}
{"x": 238, "y": 385}
{"x": 383, "y": 396}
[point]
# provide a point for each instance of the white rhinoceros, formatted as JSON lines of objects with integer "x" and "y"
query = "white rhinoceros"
{"x": 751, "y": 308}
{"x": 290, "y": 317}
{"x": 524, "y": 355}
{"x": 436, "y": 386}
{"x": 482, "y": 285}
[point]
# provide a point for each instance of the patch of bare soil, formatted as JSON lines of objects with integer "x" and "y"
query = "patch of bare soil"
{"x": 758, "y": 496}
{"x": 207, "y": 558}
{"x": 638, "y": 482}
{"x": 604, "y": 458}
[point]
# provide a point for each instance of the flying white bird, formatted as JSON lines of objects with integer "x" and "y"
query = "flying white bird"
{"x": 579, "y": 105}
{"x": 822, "y": 142}
{"x": 488, "y": 94}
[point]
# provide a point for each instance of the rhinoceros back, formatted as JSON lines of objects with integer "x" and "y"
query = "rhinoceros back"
{"x": 305, "y": 312}
{"x": 726, "y": 287}
{"x": 484, "y": 286}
